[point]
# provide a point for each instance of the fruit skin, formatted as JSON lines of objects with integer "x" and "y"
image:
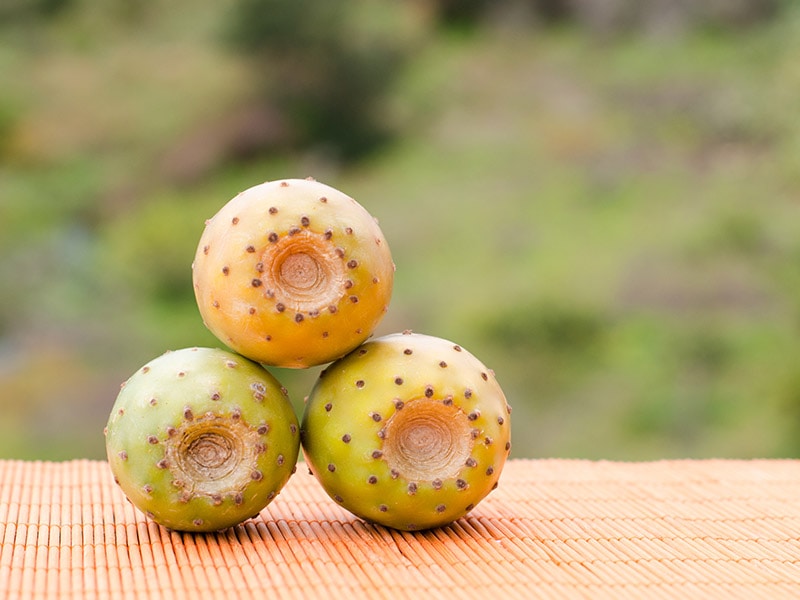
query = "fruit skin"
{"x": 201, "y": 439}
{"x": 301, "y": 311}
{"x": 407, "y": 389}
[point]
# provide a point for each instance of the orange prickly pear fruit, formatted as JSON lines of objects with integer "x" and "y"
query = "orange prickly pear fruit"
{"x": 292, "y": 273}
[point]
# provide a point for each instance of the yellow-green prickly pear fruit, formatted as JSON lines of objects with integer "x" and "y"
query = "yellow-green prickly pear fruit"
{"x": 201, "y": 439}
{"x": 292, "y": 273}
{"x": 409, "y": 431}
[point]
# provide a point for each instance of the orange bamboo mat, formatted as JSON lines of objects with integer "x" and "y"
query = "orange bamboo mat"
{"x": 553, "y": 529}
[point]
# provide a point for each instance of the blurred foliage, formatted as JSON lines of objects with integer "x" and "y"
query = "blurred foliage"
{"x": 610, "y": 17}
{"x": 15, "y": 11}
{"x": 325, "y": 67}
{"x": 599, "y": 202}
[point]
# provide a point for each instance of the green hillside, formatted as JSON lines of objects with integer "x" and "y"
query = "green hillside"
{"x": 610, "y": 221}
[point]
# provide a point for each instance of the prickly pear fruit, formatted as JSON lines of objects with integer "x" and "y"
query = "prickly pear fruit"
{"x": 201, "y": 439}
{"x": 292, "y": 273}
{"x": 409, "y": 431}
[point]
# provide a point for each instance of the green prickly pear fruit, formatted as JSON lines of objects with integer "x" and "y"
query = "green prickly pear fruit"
{"x": 201, "y": 439}
{"x": 409, "y": 431}
{"x": 292, "y": 273}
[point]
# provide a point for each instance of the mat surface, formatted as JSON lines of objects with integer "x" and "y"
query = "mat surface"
{"x": 553, "y": 529}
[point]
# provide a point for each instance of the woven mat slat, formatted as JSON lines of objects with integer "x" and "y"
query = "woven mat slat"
{"x": 553, "y": 529}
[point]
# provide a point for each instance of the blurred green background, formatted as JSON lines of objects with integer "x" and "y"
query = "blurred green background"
{"x": 598, "y": 198}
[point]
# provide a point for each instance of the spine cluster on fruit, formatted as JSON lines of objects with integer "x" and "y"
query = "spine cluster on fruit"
{"x": 409, "y": 431}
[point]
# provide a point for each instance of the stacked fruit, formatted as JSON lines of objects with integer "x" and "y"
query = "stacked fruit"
{"x": 407, "y": 430}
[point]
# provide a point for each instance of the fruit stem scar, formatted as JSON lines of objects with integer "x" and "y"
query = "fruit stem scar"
{"x": 213, "y": 455}
{"x": 427, "y": 440}
{"x": 304, "y": 272}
